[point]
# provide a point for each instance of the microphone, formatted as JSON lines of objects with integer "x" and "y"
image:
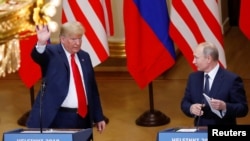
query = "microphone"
{"x": 43, "y": 85}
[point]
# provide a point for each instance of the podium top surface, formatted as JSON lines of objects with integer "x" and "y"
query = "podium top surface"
{"x": 185, "y": 130}
{"x": 46, "y": 131}
{"x": 183, "y": 134}
{"x": 48, "y": 134}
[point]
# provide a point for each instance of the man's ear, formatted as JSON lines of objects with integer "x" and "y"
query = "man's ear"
{"x": 209, "y": 58}
{"x": 62, "y": 39}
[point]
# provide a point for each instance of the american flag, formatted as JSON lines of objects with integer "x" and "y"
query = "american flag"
{"x": 96, "y": 17}
{"x": 195, "y": 21}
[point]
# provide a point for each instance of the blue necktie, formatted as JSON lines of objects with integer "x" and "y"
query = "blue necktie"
{"x": 206, "y": 87}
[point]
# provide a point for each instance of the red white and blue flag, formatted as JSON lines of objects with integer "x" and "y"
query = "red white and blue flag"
{"x": 149, "y": 49}
{"x": 193, "y": 22}
{"x": 96, "y": 17}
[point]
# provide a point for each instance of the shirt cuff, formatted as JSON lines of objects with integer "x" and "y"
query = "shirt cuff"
{"x": 40, "y": 48}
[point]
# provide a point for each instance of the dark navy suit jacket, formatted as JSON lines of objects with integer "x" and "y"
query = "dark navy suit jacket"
{"x": 226, "y": 86}
{"x": 56, "y": 74}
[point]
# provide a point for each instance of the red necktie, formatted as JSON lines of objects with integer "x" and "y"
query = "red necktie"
{"x": 82, "y": 106}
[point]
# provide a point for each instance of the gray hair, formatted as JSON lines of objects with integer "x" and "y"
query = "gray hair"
{"x": 209, "y": 49}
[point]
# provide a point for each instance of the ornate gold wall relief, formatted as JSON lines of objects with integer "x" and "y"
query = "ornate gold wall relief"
{"x": 17, "y": 21}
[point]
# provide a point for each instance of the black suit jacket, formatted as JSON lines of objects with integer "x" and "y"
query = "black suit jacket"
{"x": 56, "y": 74}
{"x": 226, "y": 86}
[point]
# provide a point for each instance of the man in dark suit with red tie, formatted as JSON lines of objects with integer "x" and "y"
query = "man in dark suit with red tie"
{"x": 58, "y": 100}
{"x": 225, "y": 90}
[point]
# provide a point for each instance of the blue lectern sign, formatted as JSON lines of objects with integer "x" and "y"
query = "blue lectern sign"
{"x": 47, "y": 135}
{"x": 174, "y": 134}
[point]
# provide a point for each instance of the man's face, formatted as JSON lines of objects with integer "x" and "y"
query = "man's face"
{"x": 200, "y": 61}
{"x": 72, "y": 43}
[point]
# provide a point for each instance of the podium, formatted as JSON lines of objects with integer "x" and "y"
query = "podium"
{"x": 183, "y": 134}
{"x": 48, "y": 135}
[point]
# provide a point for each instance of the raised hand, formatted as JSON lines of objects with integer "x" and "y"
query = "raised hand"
{"x": 43, "y": 34}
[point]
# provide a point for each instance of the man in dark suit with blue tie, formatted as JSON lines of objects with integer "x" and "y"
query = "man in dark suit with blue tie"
{"x": 57, "y": 100}
{"x": 225, "y": 90}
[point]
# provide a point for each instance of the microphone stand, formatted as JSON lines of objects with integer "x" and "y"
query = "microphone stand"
{"x": 199, "y": 117}
{"x": 41, "y": 104}
{"x": 198, "y": 121}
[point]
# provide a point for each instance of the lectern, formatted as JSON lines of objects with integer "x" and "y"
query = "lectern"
{"x": 183, "y": 134}
{"x": 48, "y": 135}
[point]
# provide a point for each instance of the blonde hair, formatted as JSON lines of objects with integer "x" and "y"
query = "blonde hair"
{"x": 72, "y": 28}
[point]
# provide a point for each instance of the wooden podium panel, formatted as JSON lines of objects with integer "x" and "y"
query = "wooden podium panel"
{"x": 47, "y": 135}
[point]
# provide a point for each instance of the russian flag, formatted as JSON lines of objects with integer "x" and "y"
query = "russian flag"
{"x": 149, "y": 48}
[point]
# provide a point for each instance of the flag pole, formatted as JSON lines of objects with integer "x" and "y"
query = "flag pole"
{"x": 152, "y": 117}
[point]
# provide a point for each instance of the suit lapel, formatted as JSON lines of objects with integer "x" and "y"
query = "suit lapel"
{"x": 218, "y": 80}
{"x": 82, "y": 61}
{"x": 198, "y": 83}
{"x": 64, "y": 58}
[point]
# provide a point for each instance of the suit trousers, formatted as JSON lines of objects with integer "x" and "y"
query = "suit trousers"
{"x": 69, "y": 119}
